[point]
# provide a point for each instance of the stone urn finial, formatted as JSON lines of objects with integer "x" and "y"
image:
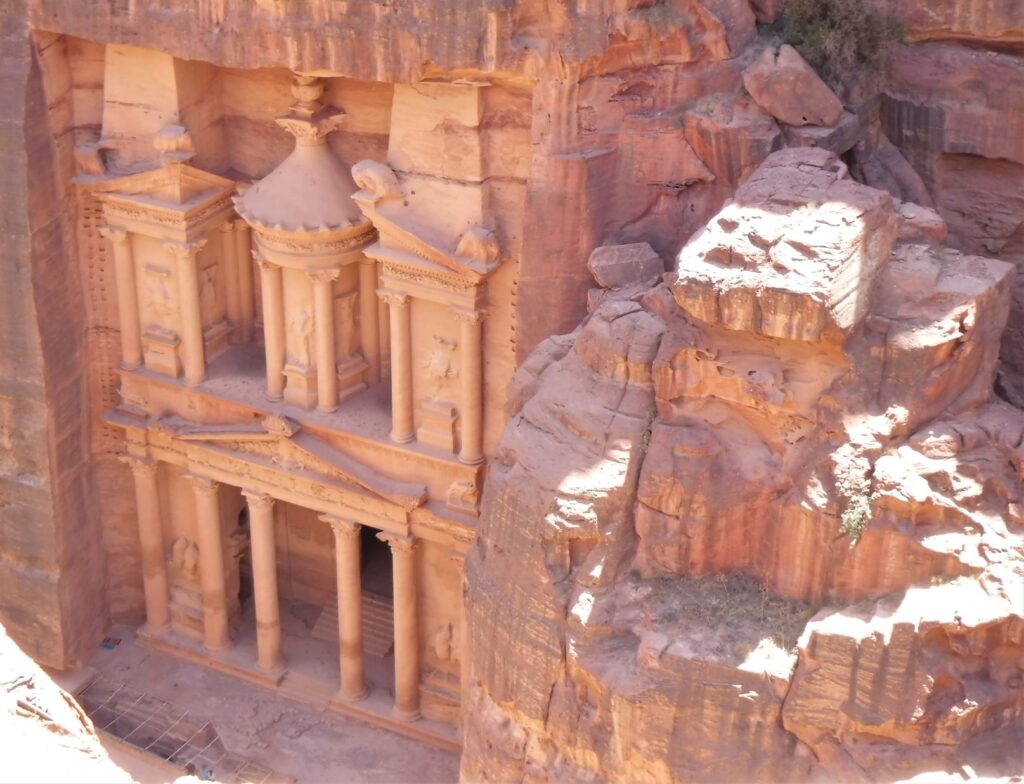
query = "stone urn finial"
{"x": 174, "y": 144}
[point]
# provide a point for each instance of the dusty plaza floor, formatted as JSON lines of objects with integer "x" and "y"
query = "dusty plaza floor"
{"x": 296, "y": 741}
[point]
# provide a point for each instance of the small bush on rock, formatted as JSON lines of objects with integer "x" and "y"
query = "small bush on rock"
{"x": 838, "y": 38}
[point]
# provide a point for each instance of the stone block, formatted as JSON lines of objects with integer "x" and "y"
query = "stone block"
{"x": 615, "y": 266}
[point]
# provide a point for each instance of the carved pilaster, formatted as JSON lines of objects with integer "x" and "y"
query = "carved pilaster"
{"x": 189, "y": 310}
{"x": 402, "y": 429}
{"x": 323, "y": 323}
{"x": 407, "y": 649}
{"x": 127, "y": 297}
{"x": 471, "y": 382}
{"x": 350, "y": 606}
{"x": 151, "y": 541}
{"x": 272, "y": 289}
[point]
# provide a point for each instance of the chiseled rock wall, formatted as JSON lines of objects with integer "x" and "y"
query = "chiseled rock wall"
{"x": 761, "y": 521}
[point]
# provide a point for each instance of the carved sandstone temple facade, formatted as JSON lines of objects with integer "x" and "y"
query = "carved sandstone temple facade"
{"x": 303, "y": 365}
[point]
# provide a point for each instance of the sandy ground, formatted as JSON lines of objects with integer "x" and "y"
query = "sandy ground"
{"x": 289, "y": 737}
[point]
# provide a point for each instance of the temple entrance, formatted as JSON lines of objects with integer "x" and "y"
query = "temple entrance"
{"x": 377, "y": 600}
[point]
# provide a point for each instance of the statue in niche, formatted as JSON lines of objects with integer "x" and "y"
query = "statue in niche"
{"x": 208, "y": 294}
{"x": 300, "y": 328}
{"x": 158, "y": 297}
{"x": 345, "y": 318}
{"x": 439, "y": 365}
{"x": 185, "y": 557}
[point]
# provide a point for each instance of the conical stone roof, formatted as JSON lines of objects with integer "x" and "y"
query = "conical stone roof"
{"x": 311, "y": 189}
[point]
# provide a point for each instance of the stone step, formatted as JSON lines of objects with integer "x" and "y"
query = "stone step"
{"x": 378, "y": 623}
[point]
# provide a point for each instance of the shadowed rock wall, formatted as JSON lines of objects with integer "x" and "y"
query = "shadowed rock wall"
{"x": 52, "y": 572}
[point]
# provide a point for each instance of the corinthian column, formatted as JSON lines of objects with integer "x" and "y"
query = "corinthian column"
{"x": 211, "y": 563}
{"x": 264, "y": 580}
{"x": 323, "y": 322}
{"x": 151, "y": 539}
{"x": 272, "y": 288}
{"x": 127, "y": 297}
{"x": 402, "y": 429}
{"x": 471, "y": 410}
{"x": 369, "y": 326}
{"x": 407, "y": 641}
{"x": 193, "y": 351}
{"x": 350, "y": 606}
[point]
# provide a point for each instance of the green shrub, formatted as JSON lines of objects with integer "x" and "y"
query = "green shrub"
{"x": 839, "y": 38}
{"x": 855, "y": 517}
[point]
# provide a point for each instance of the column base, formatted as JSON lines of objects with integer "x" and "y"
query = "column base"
{"x": 341, "y": 696}
{"x": 403, "y": 439}
{"x": 218, "y": 651}
{"x": 129, "y": 365}
{"x": 406, "y": 716}
{"x": 326, "y": 409}
{"x": 192, "y": 383}
{"x": 473, "y": 461}
{"x": 274, "y": 398}
{"x": 275, "y": 673}
{"x": 148, "y": 630}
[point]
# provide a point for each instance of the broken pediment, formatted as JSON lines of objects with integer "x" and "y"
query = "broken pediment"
{"x": 175, "y": 201}
{"x": 408, "y": 238}
{"x": 282, "y": 442}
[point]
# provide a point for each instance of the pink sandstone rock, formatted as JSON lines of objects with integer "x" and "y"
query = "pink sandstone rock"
{"x": 616, "y": 266}
{"x": 783, "y": 84}
{"x": 670, "y": 535}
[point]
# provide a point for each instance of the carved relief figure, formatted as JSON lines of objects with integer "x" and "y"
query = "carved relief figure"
{"x": 300, "y": 332}
{"x": 208, "y": 294}
{"x": 439, "y": 365}
{"x": 158, "y": 298}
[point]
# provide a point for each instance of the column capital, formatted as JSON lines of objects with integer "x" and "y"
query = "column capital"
{"x": 343, "y": 528}
{"x": 227, "y": 226}
{"x": 393, "y": 298}
{"x": 115, "y": 234}
{"x": 185, "y": 250}
{"x": 323, "y": 275}
{"x": 256, "y": 499}
{"x": 456, "y": 557}
{"x": 398, "y": 543}
{"x": 467, "y": 316}
{"x": 263, "y": 263}
{"x": 203, "y": 485}
{"x": 367, "y": 260}
{"x": 141, "y": 466}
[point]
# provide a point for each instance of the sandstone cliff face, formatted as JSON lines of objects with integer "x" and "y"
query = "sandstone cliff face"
{"x": 760, "y": 521}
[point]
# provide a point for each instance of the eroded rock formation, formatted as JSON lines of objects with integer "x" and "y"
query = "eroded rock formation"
{"x": 780, "y": 535}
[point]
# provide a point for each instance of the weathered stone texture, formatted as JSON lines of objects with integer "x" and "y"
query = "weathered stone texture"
{"x": 854, "y": 464}
{"x": 52, "y": 571}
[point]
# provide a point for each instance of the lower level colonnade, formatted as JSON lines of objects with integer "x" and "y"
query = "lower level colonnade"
{"x": 263, "y": 554}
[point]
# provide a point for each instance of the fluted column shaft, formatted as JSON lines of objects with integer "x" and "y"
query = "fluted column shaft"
{"x": 264, "y": 580}
{"x": 350, "y": 607}
{"x": 472, "y": 386}
{"x": 151, "y": 540}
{"x": 402, "y": 429}
{"x": 246, "y": 290}
{"x": 272, "y": 289}
{"x": 326, "y": 354}
{"x": 407, "y": 643}
{"x": 127, "y": 298}
{"x": 193, "y": 350}
{"x": 369, "y": 325}
{"x": 211, "y": 563}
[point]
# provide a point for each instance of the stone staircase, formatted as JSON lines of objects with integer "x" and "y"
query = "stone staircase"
{"x": 378, "y": 624}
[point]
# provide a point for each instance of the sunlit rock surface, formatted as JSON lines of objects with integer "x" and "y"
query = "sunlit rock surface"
{"x": 762, "y": 521}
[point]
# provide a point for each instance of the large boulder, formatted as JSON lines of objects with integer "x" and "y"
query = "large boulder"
{"x": 786, "y": 87}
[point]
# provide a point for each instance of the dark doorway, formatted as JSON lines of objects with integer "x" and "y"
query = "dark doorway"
{"x": 376, "y": 563}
